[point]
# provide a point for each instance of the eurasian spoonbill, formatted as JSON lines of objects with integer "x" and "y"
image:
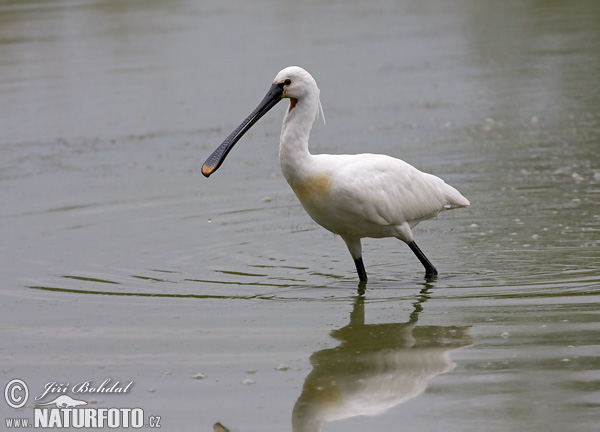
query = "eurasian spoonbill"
{"x": 354, "y": 196}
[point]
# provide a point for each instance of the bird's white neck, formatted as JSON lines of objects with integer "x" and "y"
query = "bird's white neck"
{"x": 294, "y": 156}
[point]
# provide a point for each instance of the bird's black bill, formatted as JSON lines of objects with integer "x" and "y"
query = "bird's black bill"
{"x": 215, "y": 160}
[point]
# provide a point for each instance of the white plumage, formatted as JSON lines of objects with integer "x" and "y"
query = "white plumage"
{"x": 354, "y": 196}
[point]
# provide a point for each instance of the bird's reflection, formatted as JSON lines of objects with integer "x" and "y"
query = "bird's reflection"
{"x": 375, "y": 367}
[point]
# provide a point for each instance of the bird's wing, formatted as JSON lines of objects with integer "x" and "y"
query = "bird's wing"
{"x": 389, "y": 191}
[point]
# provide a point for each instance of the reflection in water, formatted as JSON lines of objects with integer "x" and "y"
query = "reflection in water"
{"x": 376, "y": 367}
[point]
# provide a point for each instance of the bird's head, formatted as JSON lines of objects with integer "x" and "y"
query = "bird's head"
{"x": 296, "y": 83}
{"x": 293, "y": 83}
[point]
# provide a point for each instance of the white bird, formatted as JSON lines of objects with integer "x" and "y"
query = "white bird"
{"x": 353, "y": 196}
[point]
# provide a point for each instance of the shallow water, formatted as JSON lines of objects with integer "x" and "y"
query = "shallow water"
{"x": 219, "y": 298}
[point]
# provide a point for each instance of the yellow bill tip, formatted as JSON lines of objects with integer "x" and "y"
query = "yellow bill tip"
{"x": 207, "y": 170}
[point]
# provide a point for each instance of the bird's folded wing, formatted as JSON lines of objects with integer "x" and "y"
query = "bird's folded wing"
{"x": 389, "y": 191}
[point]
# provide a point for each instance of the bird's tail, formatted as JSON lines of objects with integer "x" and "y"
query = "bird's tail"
{"x": 454, "y": 198}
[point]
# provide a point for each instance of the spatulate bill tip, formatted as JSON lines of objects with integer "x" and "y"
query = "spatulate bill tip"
{"x": 207, "y": 170}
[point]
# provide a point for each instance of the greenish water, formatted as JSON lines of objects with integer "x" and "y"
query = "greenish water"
{"x": 219, "y": 298}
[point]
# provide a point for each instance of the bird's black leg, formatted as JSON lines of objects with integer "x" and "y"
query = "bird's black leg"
{"x": 430, "y": 270}
{"x": 360, "y": 269}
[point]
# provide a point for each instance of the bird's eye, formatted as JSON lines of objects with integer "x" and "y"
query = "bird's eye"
{"x": 287, "y": 81}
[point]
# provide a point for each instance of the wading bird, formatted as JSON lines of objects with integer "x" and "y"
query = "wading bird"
{"x": 354, "y": 196}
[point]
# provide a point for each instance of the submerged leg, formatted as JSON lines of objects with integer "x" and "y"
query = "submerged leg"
{"x": 356, "y": 251}
{"x": 430, "y": 270}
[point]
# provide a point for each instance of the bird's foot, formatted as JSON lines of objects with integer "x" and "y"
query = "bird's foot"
{"x": 431, "y": 274}
{"x": 362, "y": 288}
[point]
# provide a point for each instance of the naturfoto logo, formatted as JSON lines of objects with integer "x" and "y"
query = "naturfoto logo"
{"x": 54, "y": 408}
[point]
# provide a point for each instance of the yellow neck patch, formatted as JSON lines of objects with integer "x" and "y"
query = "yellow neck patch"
{"x": 293, "y": 103}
